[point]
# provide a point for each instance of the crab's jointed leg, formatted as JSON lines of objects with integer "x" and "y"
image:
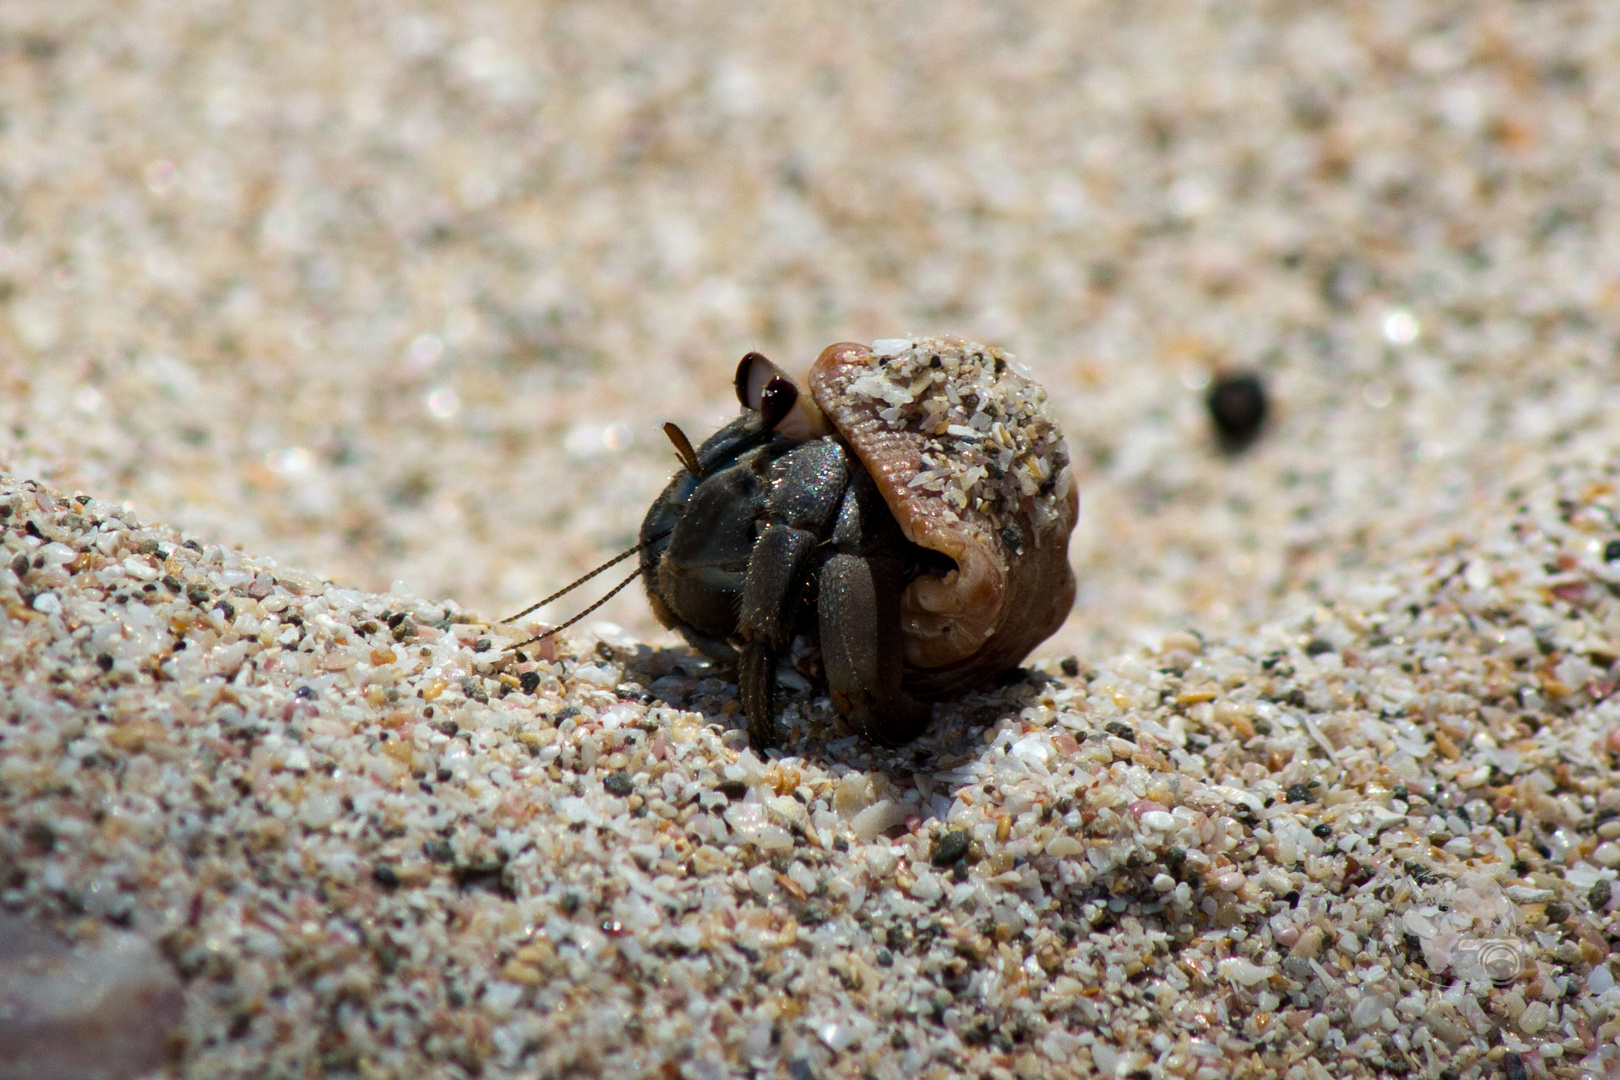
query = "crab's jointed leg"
{"x": 807, "y": 488}
{"x": 859, "y": 612}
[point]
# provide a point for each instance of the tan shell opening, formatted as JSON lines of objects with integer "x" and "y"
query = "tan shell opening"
{"x": 982, "y": 618}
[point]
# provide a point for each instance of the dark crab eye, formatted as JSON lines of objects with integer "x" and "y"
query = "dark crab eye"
{"x": 764, "y": 388}
{"x": 753, "y": 373}
{"x": 777, "y": 400}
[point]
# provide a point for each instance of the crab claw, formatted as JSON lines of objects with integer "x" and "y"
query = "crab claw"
{"x": 787, "y": 410}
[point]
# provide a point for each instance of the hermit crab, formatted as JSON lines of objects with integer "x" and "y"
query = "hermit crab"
{"x": 911, "y": 513}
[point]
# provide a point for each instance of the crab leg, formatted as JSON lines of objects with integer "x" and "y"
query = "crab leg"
{"x": 807, "y": 489}
{"x": 770, "y": 607}
{"x": 859, "y": 605}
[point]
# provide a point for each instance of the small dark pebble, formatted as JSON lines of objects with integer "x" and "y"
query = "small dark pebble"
{"x": 950, "y": 848}
{"x": 104, "y": 662}
{"x": 395, "y": 619}
{"x": 41, "y": 835}
{"x": 959, "y": 873}
{"x": 193, "y": 545}
{"x": 732, "y": 789}
{"x": 1070, "y": 666}
{"x": 1124, "y": 731}
{"x": 226, "y": 608}
{"x": 1321, "y": 830}
{"x": 482, "y": 645}
{"x": 1597, "y": 897}
{"x": 1611, "y": 551}
{"x": 885, "y": 958}
{"x": 1317, "y": 646}
{"x": 1237, "y": 405}
{"x": 801, "y": 1069}
{"x": 438, "y": 850}
{"x": 384, "y": 875}
{"x": 619, "y": 784}
{"x": 1299, "y": 793}
{"x": 149, "y": 547}
{"x": 304, "y": 692}
{"x": 1419, "y": 873}
{"x": 1513, "y": 1067}
{"x": 1557, "y": 913}
{"x": 198, "y": 594}
{"x": 529, "y": 681}
{"x": 1175, "y": 859}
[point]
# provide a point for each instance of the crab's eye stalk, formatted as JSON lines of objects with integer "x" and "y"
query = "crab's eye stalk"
{"x": 784, "y": 408}
{"x": 754, "y": 373}
{"x": 777, "y": 400}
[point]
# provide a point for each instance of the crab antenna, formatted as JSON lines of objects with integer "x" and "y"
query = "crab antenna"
{"x": 577, "y": 582}
{"x": 617, "y": 589}
{"x": 683, "y": 449}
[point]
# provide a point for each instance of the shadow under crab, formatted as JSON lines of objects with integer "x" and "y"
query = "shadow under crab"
{"x": 809, "y": 723}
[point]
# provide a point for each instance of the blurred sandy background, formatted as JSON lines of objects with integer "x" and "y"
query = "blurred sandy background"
{"x": 400, "y": 292}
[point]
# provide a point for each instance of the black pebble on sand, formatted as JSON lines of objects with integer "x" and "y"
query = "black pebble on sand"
{"x": 1237, "y": 405}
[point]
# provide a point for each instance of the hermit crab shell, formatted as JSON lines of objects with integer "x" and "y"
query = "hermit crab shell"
{"x": 971, "y": 463}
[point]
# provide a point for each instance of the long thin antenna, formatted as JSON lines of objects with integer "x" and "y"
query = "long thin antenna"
{"x": 577, "y": 582}
{"x": 617, "y": 589}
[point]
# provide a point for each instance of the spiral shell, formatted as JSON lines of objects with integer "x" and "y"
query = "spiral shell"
{"x": 972, "y": 464}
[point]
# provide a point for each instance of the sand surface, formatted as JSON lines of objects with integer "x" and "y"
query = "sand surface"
{"x": 381, "y": 309}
